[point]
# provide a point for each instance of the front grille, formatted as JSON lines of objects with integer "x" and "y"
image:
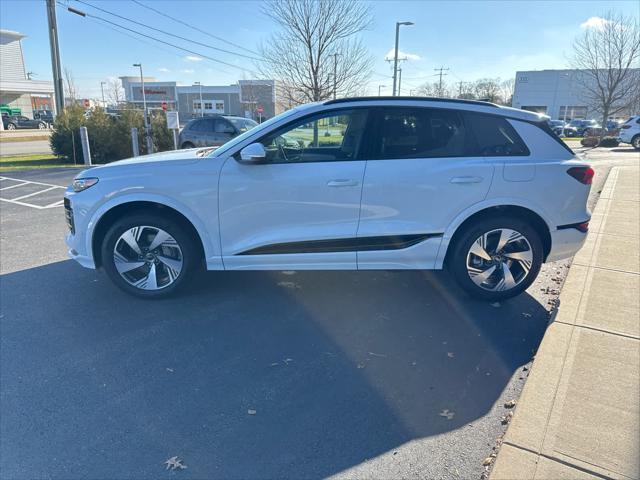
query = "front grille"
{"x": 68, "y": 214}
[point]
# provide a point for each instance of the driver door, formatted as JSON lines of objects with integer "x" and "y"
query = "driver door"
{"x": 298, "y": 209}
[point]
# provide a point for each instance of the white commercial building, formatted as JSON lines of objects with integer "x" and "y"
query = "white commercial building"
{"x": 557, "y": 93}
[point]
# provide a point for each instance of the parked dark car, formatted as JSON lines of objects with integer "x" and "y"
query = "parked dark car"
{"x": 582, "y": 125}
{"x": 15, "y": 122}
{"x": 44, "y": 115}
{"x": 213, "y": 131}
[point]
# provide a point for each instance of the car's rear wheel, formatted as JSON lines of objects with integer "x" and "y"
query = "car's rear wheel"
{"x": 495, "y": 259}
{"x": 11, "y": 126}
{"x": 187, "y": 145}
{"x": 149, "y": 256}
{"x": 635, "y": 142}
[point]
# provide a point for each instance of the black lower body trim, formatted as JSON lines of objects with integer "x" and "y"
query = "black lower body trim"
{"x": 358, "y": 244}
{"x": 582, "y": 226}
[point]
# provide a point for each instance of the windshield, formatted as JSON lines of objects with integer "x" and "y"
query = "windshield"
{"x": 260, "y": 128}
{"x": 242, "y": 124}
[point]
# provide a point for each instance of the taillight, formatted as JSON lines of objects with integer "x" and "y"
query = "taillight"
{"x": 583, "y": 174}
{"x": 583, "y": 227}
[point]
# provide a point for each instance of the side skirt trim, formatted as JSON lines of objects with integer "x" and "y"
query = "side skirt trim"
{"x": 358, "y": 244}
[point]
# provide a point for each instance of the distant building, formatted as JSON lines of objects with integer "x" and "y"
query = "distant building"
{"x": 17, "y": 90}
{"x": 557, "y": 93}
{"x": 248, "y": 98}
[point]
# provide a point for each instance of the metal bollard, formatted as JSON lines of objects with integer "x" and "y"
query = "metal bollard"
{"x": 86, "y": 151}
{"x": 134, "y": 142}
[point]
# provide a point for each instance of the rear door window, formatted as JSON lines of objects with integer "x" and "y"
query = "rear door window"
{"x": 494, "y": 136}
{"x": 420, "y": 133}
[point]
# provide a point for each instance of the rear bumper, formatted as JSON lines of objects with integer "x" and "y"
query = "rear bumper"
{"x": 565, "y": 243}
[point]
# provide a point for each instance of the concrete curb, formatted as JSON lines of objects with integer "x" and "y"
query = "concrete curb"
{"x": 579, "y": 412}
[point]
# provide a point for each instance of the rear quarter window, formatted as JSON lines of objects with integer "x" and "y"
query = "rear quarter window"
{"x": 494, "y": 136}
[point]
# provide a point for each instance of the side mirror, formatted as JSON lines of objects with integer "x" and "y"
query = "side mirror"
{"x": 253, "y": 153}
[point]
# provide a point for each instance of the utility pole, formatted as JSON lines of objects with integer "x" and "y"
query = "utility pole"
{"x": 144, "y": 111}
{"x": 335, "y": 73}
{"x": 102, "y": 84}
{"x": 441, "y": 74}
{"x": 399, "y": 79}
{"x": 379, "y": 87}
{"x": 395, "y": 55}
{"x": 460, "y": 88}
{"x": 55, "y": 57}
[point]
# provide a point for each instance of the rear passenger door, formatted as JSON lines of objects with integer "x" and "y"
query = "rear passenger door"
{"x": 425, "y": 170}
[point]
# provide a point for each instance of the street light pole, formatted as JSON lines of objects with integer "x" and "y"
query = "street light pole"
{"x": 395, "y": 55}
{"x": 399, "y": 79}
{"x": 55, "y": 57}
{"x": 102, "y": 84}
{"x": 144, "y": 111}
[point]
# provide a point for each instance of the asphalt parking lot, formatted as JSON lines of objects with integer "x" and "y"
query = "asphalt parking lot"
{"x": 249, "y": 374}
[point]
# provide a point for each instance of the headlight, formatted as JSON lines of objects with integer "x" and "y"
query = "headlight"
{"x": 80, "y": 184}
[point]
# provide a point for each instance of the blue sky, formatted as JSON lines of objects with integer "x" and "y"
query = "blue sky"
{"x": 472, "y": 38}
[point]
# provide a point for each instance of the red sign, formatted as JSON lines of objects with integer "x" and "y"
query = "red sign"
{"x": 164, "y": 106}
{"x": 260, "y": 109}
{"x": 87, "y": 103}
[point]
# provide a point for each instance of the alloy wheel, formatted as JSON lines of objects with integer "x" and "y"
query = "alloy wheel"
{"x": 636, "y": 142}
{"x": 148, "y": 258}
{"x": 499, "y": 260}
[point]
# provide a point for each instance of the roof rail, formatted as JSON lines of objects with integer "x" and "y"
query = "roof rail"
{"x": 424, "y": 99}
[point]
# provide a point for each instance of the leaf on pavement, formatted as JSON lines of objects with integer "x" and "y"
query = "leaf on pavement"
{"x": 447, "y": 414}
{"x": 174, "y": 463}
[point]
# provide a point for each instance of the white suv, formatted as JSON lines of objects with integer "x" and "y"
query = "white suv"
{"x": 630, "y": 132}
{"x": 362, "y": 183}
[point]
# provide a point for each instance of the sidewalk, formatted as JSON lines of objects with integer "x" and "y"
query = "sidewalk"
{"x": 579, "y": 413}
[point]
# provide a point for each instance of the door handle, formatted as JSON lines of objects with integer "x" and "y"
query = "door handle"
{"x": 466, "y": 179}
{"x": 342, "y": 183}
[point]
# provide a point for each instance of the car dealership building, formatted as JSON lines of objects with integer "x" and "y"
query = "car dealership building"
{"x": 557, "y": 93}
{"x": 248, "y": 98}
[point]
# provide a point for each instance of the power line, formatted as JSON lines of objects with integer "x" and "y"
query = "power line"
{"x": 165, "y": 42}
{"x": 193, "y": 27}
{"x": 167, "y": 33}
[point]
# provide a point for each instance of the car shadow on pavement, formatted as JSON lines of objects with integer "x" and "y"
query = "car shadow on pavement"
{"x": 247, "y": 374}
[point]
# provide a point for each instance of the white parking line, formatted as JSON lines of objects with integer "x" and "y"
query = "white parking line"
{"x": 17, "y": 200}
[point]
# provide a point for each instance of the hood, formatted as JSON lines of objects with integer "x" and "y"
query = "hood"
{"x": 189, "y": 153}
{"x": 185, "y": 157}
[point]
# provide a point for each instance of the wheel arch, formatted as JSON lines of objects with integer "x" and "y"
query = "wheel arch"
{"x": 518, "y": 211}
{"x": 111, "y": 215}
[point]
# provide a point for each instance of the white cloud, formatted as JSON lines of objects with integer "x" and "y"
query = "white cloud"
{"x": 192, "y": 58}
{"x": 408, "y": 56}
{"x": 594, "y": 22}
{"x": 164, "y": 70}
{"x": 188, "y": 70}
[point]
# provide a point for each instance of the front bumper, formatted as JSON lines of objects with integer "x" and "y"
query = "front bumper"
{"x": 75, "y": 238}
{"x": 565, "y": 243}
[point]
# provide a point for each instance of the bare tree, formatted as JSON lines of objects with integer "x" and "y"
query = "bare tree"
{"x": 507, "y": 87}
{"x": 115, "y": 92}
{"x": 608, "y": 54}
{"x": 70, "y": 86}
{"x": 487, "y": 89}
{"x": 317, "y": 53}
{"x": 434, "y": 89}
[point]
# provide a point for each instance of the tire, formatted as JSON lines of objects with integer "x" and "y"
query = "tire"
{"x": 186, "y": 145}
{"x": 155, "y": 272}
{"x": 11, "y": 126}
{"x": 474, "y": 254}
{"x": 635, "y": 142}
{"x": 42, "y": 126}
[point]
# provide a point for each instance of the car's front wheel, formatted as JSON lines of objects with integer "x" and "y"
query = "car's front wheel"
{"x": 186, "y": 145}
{"x": 496, "y": 258}
{"x": 635, "y": 142}
{"x": 11, "y": 126}
{"x": 42, "y": 126}
{"x": 149, "y": 256}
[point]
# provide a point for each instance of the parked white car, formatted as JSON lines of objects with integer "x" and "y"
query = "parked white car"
{"x": 630, "y": 132}
{"x": 364, "y": 183}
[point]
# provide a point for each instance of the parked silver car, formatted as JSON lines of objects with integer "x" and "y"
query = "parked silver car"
{"x": 213, "y": 131}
